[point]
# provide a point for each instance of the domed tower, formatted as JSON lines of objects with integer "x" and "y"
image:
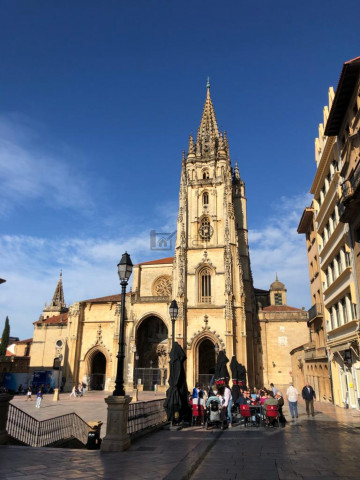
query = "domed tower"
{"x": 277, "y": 293}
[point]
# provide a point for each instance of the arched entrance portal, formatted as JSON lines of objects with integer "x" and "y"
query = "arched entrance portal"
{"x": 151, "y": 353}
{"x": 98, "y": 370}
{"x": 207, "y": 362}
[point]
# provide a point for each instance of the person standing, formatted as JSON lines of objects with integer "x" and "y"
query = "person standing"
{"x": 39, "y": 397}
{"x": 28, "y": 394}
{"x": 228, "y": 404}
{"x": 308, "y": 394}
{"x": 273, "y": 389}
{"x": 292, "y": 395}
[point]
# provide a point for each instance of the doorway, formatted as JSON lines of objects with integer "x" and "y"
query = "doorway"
{"x": 98, "y": 370}
{"x": 207, "y": 360}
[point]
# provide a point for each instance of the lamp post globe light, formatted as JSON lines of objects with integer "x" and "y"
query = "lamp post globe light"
{"x": 125, "y": 267}
{"x": 173, "y": 310}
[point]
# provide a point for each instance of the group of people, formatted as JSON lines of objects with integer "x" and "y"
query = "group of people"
{"x": 201, "y": 398}
{"x": 307, "y": 393}
{"x": 78, "y": 391}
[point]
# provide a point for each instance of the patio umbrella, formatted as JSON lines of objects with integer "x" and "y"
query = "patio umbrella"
{"x": 221, "y": 371}
{"x": 176, "y": 404}
{"x": 234, "y": 367}
{"x": 242, "y": 374}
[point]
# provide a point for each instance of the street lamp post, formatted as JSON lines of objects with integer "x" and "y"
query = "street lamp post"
{"x": 117, "y": 437}
{"x": 125, "y": 267}
{"x": 173, "y": 310}
{"x": 59, "y": 379}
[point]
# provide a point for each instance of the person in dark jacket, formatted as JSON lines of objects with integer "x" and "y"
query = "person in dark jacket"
{"x": 308, "y": 394}
{"x": 280, "y": 399}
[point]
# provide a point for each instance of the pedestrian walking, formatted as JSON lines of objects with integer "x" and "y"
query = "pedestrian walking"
{"x": 73, "y": 392}
{"x": 28, "y": 394}
{"x": 39, "y": 397}
{"x": 308, "y": 394}
{"x": 292, "y": 395}
{"x": 273, "y": 389}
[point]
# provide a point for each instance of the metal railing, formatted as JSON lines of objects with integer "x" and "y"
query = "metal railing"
{"x": 39, "y": 433}
{"x": 143, "y": 415}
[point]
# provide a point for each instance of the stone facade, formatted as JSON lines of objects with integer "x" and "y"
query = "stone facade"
{"x": 281, "y": 328}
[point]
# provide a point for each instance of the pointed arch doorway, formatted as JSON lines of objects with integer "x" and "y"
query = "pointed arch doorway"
{"x": 206, "y": 362}
{"x": 151, "y": 348}
{"x": 98, "y": 371}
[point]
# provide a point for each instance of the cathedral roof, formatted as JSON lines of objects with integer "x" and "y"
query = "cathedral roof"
{"x": 281, "y": 308}
{"x": 108, "y": 298}
{"x": 61, "y": 319}
{"x": 20, "y": 342}
{"x": 160, "y": 261}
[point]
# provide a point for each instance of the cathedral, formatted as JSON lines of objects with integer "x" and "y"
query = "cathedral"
{"x": 209, "y": 276}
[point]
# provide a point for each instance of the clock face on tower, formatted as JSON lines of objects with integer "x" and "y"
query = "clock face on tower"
{"x": 205, "y": 229}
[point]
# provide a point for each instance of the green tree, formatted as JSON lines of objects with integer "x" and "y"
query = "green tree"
{"x": 5, "y": 337}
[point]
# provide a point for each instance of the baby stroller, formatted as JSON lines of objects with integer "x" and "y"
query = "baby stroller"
{"x": 214, "y": 415}
{"x": 197, "y": 406}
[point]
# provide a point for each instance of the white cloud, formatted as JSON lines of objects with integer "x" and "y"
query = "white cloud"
{"x": 31, "y": 265}
{"x": 29, "y": 173}
{"x": 278, "y": 248}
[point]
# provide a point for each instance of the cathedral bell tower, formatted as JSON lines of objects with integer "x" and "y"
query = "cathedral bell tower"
{"x": 211, "y": 270}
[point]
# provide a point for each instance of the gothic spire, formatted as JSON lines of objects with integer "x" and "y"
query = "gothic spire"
{"x": 58, "y": 298}
{"x": 208, "y": 124}
{"x": 236, "y": 171}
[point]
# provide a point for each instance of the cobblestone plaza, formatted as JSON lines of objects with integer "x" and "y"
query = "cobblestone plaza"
{"x": 310, "y": 448}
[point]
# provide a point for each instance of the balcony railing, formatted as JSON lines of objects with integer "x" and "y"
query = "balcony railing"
{"x": 349, "y": 188}
{"x": 316, "y": 311}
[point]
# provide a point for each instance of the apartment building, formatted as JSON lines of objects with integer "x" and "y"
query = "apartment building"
{"x": 331, "y": 224}
{"x": 343, "y": 334}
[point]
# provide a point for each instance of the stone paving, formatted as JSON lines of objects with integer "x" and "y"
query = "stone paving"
{"x": 325, "y": 446}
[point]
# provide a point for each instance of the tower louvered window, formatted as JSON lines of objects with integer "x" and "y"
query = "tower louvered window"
{"x": 205, "y": 286}
{"x": 205, "y": 198}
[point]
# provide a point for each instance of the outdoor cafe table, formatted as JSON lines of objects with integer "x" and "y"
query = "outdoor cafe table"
{"x": 257, "y": 411}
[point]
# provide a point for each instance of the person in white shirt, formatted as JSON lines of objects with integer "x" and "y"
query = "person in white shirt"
{"x": 292, "y": 396}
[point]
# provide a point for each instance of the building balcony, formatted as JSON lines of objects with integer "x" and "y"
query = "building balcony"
{"x": 316, "y": 311}
{"x": 350, "y": 196}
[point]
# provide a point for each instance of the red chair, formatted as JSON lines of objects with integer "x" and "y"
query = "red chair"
{"x": 271, "y": 415}
{"x": 245, "y": 413}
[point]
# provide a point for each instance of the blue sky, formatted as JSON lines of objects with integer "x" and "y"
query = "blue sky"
{"x": 97, "y": 100}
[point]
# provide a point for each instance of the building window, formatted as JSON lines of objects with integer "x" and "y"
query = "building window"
{"x": 205, "y": 198}
{"x": 278, "y": 299}
{"x": 205, "y": 285}
{"x": 206, "y": 175}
